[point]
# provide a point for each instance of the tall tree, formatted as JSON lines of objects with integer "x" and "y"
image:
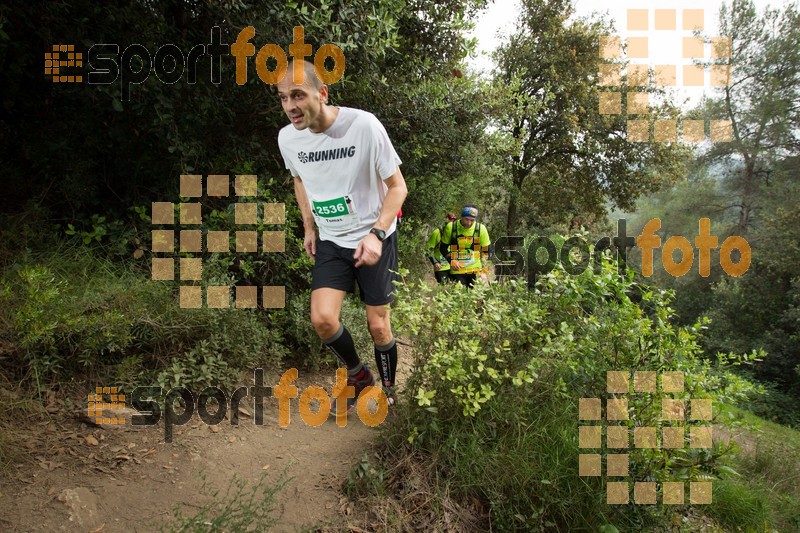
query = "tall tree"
{"x": 762, "y": 100}
{"x": 567, "y": 158}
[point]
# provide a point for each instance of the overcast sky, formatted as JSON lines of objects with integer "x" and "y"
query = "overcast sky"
{"x": 665, "y": 46}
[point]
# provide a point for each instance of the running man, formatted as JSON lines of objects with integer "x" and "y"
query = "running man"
{"x": 467, "y": 244}
{"x": 349, "y": 189}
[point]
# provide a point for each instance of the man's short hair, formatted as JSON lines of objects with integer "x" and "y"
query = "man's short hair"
{"x": 309, "y": 74}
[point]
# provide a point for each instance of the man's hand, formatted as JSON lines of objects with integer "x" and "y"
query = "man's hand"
{"x": 310, "y": 243}
{"x": 437, "y": 266}
{"x": 368, "y": 251}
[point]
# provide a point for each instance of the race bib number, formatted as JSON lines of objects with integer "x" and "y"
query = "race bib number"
{"x": 338, "y": 212}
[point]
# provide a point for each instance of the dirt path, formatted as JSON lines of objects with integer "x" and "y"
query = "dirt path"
{"x": 129, "y": 479}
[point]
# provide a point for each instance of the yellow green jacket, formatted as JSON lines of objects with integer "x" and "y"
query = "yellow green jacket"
{"x": 434, "y": 254}
{"x": 469, "y": 253}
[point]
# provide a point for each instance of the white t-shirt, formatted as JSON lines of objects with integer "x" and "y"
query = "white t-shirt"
{"x": 342, "y": 169}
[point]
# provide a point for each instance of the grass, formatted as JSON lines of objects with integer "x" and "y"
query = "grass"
{"x": 241, "y": 507}
{"x": 766, "y": 495}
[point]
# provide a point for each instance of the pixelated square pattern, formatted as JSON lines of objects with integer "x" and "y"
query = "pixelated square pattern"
{"x": 163, "y": 240}
{"x": 274, "y": 241}
{"x": 191, "y": 185}
{"x": 96, "y": 404}
{"x": 63, "y": 55}
{"x": 590, "y": 409}
{"x": 218, "y": 241}
{"x": 218, "y": 296}
{"x": 638, "y": 75}
{"x": 617, "y": 493}
{"x": 191, "y": 241}
{"x": 610, "y": 47}
{"x": 246, "y": 241}
{"x": 673, "y": 410}
{"x": 191, "y": 297}
{"x": 246, "y": 213}
{"x": 590, "y": 437}
{"x": 246, "y": 297}
{"x": 617, "y": 382}
{"x": 617, "y": 465}
{"x": 589, "y": 465}
{"x": 644, "y": 493}
{"x": 694, "y": 131}
{"x": 700, "y": 493}
{"x": 672, "y": 493}
{"x": 274, "y": 213}
{"x": 637, "y": 47}
{"x": 274, "y": 297}
{"x": 217, "y": 185}
{"x": 637, "y": 103}
{"x": 644, "y": 381}
{"x": 617, "y": 437}
{"x": 246, "y": 185}
{"x": 610, "y": 103}
{"x": 610, "y": 75}
{"x": 638, "y": 131}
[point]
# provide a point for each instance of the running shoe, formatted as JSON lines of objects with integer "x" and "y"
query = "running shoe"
{"x": 360, "y": 381}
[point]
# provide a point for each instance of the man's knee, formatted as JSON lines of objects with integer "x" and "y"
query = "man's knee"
{"x": 326, "y": 324}
{"x": 379, "y": 328}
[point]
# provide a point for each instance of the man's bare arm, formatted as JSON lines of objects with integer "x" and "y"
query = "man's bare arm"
{"x": 310, "y": 237}
{"x": 395, "y": 197}
{"x": 302, "y": 202}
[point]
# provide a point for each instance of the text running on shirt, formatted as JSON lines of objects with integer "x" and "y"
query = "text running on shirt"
{"x": 326, "y": 155}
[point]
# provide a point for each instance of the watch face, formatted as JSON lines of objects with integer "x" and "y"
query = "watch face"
{"x": 378, "y": 233}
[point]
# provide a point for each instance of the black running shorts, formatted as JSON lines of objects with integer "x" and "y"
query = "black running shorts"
{"x": 335, "y": 268}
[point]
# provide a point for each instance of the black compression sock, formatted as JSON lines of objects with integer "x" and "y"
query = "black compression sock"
{"x": 386, "y": 359}
{"x": 341, "y": 344}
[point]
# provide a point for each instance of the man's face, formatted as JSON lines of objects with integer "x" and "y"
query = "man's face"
{"x": 302, "y": 103}
{"x": 467, "y": 222}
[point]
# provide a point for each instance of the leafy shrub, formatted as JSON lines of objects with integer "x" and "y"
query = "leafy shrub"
{"x": 497, "y": 377}
{"x": 69, "y": 313}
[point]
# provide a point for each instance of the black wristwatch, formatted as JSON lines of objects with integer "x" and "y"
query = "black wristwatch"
{"x": 379, "y": 233}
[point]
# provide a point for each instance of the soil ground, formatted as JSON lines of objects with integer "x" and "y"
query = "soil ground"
{"x": 124, "y": 478}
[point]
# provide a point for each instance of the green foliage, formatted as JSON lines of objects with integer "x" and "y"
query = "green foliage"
{"x": 739, "y": 508}
{"x": 242, "y": 507}
{"x": 563, "y": 158}
{"x": 68, "y": 313}
{"x": 366, "y": 477}
{"x": 498, "y": 373}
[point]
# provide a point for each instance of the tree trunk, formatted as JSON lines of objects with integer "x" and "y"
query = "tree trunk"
{"x": 747, "y": 197}
{"x": 512, "y": 222}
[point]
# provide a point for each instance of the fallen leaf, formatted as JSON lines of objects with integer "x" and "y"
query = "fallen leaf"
{"x": 91, "y": 441}
{"x": 138, "y": 253}
{"x": 232, "y": 439}
{"x": 245, "y": 412}
{"x": 213, "y": 429}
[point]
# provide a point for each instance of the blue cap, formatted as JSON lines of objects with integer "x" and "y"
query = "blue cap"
{"x": 469, "y": 212}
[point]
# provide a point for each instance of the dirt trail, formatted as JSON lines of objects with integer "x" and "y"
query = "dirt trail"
{"x": 131, "y": 480}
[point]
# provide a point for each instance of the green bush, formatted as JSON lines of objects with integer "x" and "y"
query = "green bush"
{"x": 69, "y": 313}
{"x": 497, "y": 377}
